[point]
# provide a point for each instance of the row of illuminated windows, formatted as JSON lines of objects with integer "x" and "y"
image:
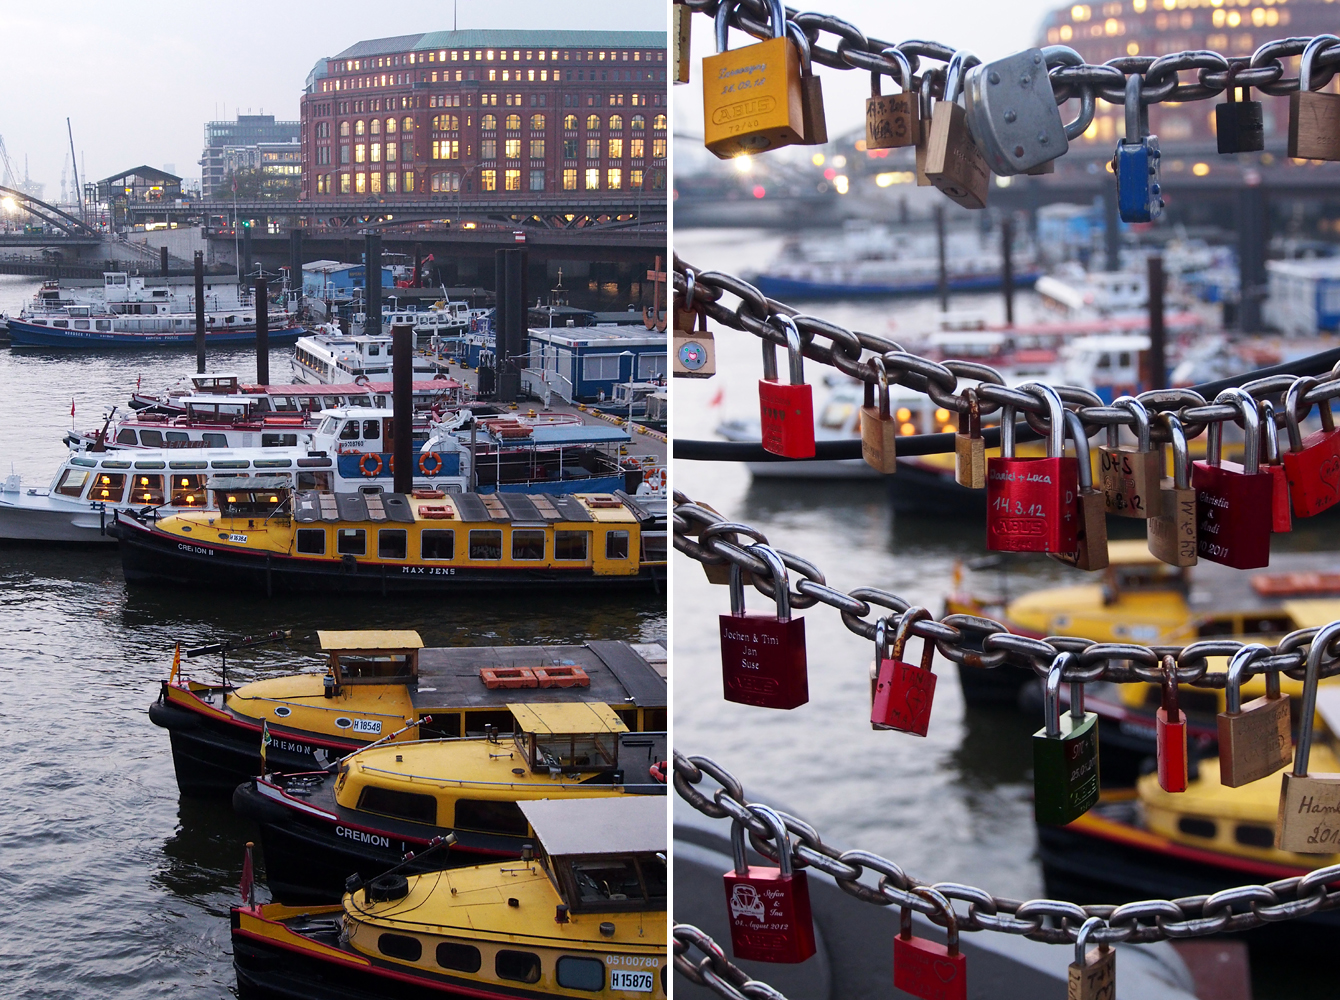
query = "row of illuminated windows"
{"x": 488, "y": 122}
{"x": 487, "y": 55}
{"x": 450, "y": 149}
{"x": 450, "y": 181}
{"x": 483, "y": 544}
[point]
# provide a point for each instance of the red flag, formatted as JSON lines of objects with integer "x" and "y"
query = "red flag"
{"x": 248, "y": 879}
{"x": 719, "y": 398}
{"x": 72, "y": 406}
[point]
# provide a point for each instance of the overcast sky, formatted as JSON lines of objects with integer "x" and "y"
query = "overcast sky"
{"x": 139, "y": 80}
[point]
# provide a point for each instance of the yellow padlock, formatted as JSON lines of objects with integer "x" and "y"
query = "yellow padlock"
{"x": 752, "y": 98}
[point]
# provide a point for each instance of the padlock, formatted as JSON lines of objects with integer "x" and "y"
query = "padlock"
{"x": 925, "y": 968}
{"x": 763, "y": 656}
{"x": 695, "y": 351}
{"x": 1091, "y": 539}
{"x": 903, "y": 692}
{"x": 1239, "y": 126}
{"x": 786, "y": 411}
{"x": 1172, "y": 533}
{"x": 1057, "y": 56}
{"x": 1065, "y": 754}
{"x": 1231, "y": 498}
{"x": 769, "y": 908}
{"x": 811, "y": 91}
{"x": 729, "y": 531}
{"x": 882, "y": 629}
{"x": 879, "y": 431}
{"x": 1314, "y": 118}
{"x": 1170, "y": 733}
{"x": 969, "y": 448}
{"x": 1093, "y": 974}
{"x": 1012, "y": 113}
{"x": 1281, "y": 510}
{"x": 1136, "y": 161}
{"x": 894, "y": 120}
{"x": 1309, "y": 816}
{"x": 1131, "y": 476}
{"x": 681, "y": 34}
{"x": 954, "y": 164}
{"x": 1312, "y": 464}
{"x": 926, "y": 109}
{"x": 1254, "y": 739}
{"x": 1030, "y": 502}
{"x": 752, "y": 97}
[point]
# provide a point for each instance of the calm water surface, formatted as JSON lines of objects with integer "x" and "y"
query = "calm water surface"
{"x": 114, "y": 885}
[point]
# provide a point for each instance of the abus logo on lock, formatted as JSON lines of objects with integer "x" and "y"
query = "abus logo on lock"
{"x": 764, "y": 105}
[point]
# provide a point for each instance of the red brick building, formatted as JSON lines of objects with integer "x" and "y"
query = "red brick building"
{"x": 520, "y": 115}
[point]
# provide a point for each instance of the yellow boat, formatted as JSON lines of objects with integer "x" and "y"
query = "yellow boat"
{"x": 585, "y": 917}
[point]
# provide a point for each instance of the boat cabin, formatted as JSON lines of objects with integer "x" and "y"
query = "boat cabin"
{"x": 572, "y": 738}
{"x": 371, "y": 657}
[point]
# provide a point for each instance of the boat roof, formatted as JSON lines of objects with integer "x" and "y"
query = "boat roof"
{"x": 566, "y": 718}
{"x": 368, "y": 640}
{"x": 622, "y": 825}
{"x": 565, "y": 434}
{"x": 247, "y": 481}
{"x": 1312, "y": 612}
{"x": 1130, "y": 552}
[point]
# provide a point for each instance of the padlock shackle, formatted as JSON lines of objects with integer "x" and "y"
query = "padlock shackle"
{"x": 1323, "y": 639}
{"x": 970, "y": 418}
{"x": 932, "y": 895}
{"x": 1231, "y": 85}
{"x": 882, "y": 640}
{"x": 1075, "y": 427}
{"x": 1292, "y": 415}
{"x": 1251, "y": 429}
{"x": 778, "y": 828}
{"x": 1137, "y": 409}
{"x": 926, "y": 94}
{"x": 1309, "y": 54}
{"x": 959, "y": 64}
{"x": 794, "y": 349}
{"x": 1051, "y": 695}
{"x": 1181, "y": 456}
{"x": 690, "y": 287}
{"x": 878, "y": 362}
{"x": 903, "y": 632}
{"x": 802, "y": 42}
{"x": 1082, "y": 939}
{"x": 1088, "y": 105}
{"x": 780, "y": 583}
{"x": 1055, "y": 416}
{"x": 900, "y": 62}
{"x": 1270, "y": 432}
{"x": 1169, "y": 703}
{"x": 1134, "y": 97}
{"x": 1006, "y": 431}
{"x": 722, "y": 25}
{"x": 1236, "y": 667}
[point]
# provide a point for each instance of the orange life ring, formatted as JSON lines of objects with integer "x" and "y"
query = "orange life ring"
{"x": 654, "y": 481}
{"x": 658, "y": 771}
{"x": 423, "y": 463}
{"x": 376, "y": 467}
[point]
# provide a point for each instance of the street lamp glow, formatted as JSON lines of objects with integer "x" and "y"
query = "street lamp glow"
{"x": 743, "y": 163}
{"x": 10, "y": 204}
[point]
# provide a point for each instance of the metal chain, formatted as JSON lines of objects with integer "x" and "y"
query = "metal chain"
{"x": 1053, "y": 921}
{"x": 714, "y": 970}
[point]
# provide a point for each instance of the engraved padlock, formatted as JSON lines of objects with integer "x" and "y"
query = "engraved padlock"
{"x": 681, "y": 34}
{"x": 1170, "y": 733}
{"x": 1131, "y": 476}
{"x": 752, "y": 100}
{"x": 1314, "y": 118}
{"x": 879, "y": 431}
{"x": 1312, "y": 464}
{"x": 954, "y": 164}
{"x": 1172, "y": 532}
{"x": 786, "y": 411}
{"x": 695, "y": 352}
{"x": 1254, "y": 739}
{"x": 925, "y": 968}
{"x": 1093, "y": 974}
{"x": 1309, "y": 814}
{"x": 1239, "y": 126}
{"x": 926, "y": 107}
{"x": 1230, "y": 498}
{"x": 894, "y": 120}
{"x": 763, "y": 656}
{"x": 1065, "y": 753}
{"x": 1137, "y": 160}
{"x": 811, "y": 91}
{"x": 769, "y": 908}
{"x": 1091, "y": 538}
{"x": 1281, "y": 508}
{"x": 1030, "y": 502}
{"x": 969, "y": 447}
{"x": 1012, "y": 113}
{"x": 904, "y": 692}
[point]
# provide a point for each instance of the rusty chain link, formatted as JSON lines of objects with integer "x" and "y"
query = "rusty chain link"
{"x": 714, "y": 970}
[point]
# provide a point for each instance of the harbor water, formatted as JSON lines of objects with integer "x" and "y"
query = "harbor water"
{"x": 114, "y": 886}
{"x": 955, "y": 806}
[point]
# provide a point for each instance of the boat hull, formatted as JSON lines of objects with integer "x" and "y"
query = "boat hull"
{"x": 778, "y": 287}
{"x": 31, "y": 335}
{"x": 54, "y": 524}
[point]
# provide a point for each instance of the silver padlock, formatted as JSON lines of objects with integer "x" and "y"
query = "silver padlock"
{"x": 1012, "y": 113}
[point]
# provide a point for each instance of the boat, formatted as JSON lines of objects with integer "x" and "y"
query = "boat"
{"x": 310, "y": 541}
{"x": 328, "y": 357}
{"x": 374, "y": 682}
{"x": 438, "y": 393}
{"x": 366, "y": 813}
{"x": 211, "y": 421}
{"x": 122, "y": 293}
{"x": 82, "y": 328}
{"x": 585, "y": 915}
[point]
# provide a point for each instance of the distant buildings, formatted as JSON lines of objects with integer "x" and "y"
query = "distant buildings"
{"x": 252, "y": 142}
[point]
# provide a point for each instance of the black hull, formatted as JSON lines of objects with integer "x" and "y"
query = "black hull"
{"x": 1002, "y": 685}
{"x": 924, "y": 491}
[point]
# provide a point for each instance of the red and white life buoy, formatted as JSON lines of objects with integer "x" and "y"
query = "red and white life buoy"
{"x": 654, "y": 480}
{"x": 658, "y": 771}
{"x": 370, "y": 465}
{"x": 430, "y": 463}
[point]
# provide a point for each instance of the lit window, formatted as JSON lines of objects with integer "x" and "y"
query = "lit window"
{"x": 636, "y": 148}
{"x": 360, "y": 183}
{"x": 409, "y": 181}
{"x": 512, "y": 148}
{"x": 376, "y": 152}
{"x": 593, "y": 149}
{"x": 376, "y": 183}
{"x": 592, "y": 179}
{"x": 359, "y": 127}
{"x": 513, "y": 122}
{"x": 512, "y": 179}
{"x": 616, "y": 149}
{"x": 488, "y": 180}
{"x": 592, "y": 122}
{"x": 570, "y": 180}
{"x": 569, "y": 121}
{"x": 615, "y": 179}
{"x": 616, "y": 123}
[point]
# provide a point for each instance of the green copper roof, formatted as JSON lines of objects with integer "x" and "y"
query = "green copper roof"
{"x": 500, "y": 38}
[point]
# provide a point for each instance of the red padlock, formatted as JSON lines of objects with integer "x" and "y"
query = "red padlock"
{"x": 1312, "y": 464}
{"x": 1170, "y": 733}
{"x": 903, "y": 692}
{"x": 1232, "y": 499}
{"x": 1032, "y": 503}
{"x": 786, "y": 411}
{"x": 1281, "y": 513}
{"x": 769, "y": 908}
{"x": 762, "y": 656}
{"x": 928, "y": 969}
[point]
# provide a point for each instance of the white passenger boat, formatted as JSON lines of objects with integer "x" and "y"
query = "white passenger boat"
{"x": 328, "y": 357}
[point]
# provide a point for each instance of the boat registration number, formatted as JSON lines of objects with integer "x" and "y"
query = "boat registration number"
{"x": 637, "y": 982}
{"x": 367, "y": 726}
{"x": 237, "y": 538}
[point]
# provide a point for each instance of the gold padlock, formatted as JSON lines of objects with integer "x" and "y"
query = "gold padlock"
{"x": 1254, "y": 739}
{"x": 969, "y": 448}
{"x": 1091, "y": 540}
{"x": 895, "y": 120}
{"x": 1131, "y": 476}
{"x": 925, "y": 106}
{"x": 695, "y": 351}
{"x": 1309, "y": 815}
{"x": 1093, "y": 974}
{"x": 1314, "y": 118}
{"x": 752, "y": 96}
{"x": 1171, "y": 530}
{"x": 681, "y": 34}
{"x": 953, "y": 162}
{"x": 811, "y": 92}
{"x": 879, "y": 431}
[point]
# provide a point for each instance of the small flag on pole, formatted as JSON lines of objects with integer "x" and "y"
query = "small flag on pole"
{"x": 719, "y": 398}
{"x": 265, "y": 742}
{"x": 176, "y": 664}
{"x": 72, "y": 406}
{"x": 248, "y": 884}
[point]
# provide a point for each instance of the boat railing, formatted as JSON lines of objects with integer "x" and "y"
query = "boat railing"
{"x": 439, "y": 782}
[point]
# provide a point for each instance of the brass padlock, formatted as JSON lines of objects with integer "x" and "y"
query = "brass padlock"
{"x": 925, "y": 106}
{"x": 752, "y": 96}
{"x": 1093, "y": 974}
{"x": 1091, "y": 553}
{"x": 811, "y": 92}
{"x": 954, "y": 164}
{"x": 1172, "y": 531}
{"x": 892, "y": 121}
{"x": 879, "y": 431}
{"x": 1314, "y": 118}
{"x": 969, "y": 448}
{"x": 1131, "y": 476}
{"x": 1309, "y": 816}
{"x": 681, "y": 34}
{"x": 695, "y": 352}
{"x": 720, "y": 572}
{"x": 1255, "y": 738}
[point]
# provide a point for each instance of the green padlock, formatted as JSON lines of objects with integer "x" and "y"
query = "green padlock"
{"x": 1065, "y": 754}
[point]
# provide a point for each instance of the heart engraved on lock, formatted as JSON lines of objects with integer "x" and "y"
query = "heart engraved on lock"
{"x": 928, "y": 969}
{"x": 903, "y": 692}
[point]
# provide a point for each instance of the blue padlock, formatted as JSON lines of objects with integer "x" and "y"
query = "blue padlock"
{"x": 1136, "y": 161}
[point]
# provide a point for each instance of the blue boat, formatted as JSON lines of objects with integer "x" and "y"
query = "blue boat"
{"x": 787, "y": 288}
{"x": 142, "y": 331}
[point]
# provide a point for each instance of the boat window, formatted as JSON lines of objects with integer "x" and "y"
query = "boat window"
{"x": 359, "y": 401}
{"x": 571, "y": 545}
{"x": 61, "y": 324}
{"x": 391, "y": 543}
{"x": 102, "y": 325}
{"x": 836, "y": 415}
{"x": 606, "y": 880}
{"x": 279, "y": 440}
{"x": 330, "y": 402}
{"x": 521, "y": 966}
{"x": 109, "y": 487}
{"x": 371, "y": 430}
{"x": 488, "y": 816}
{"x": 126, "y": 436}
{"x": 286, "y": 404}
{"x": 527, "y": 543}
{"x": 373, "y": 349}
{"x": 1267, "y": 625}
{"x": 312, "y": 541}
{"x": 188, "y": 491}
{"x": 400, "y": 946}
{"x": 653, "y": 547}
{"x": 351, "y": 542}
{"x": 400, "y": 805}
{"x": 349, "y": 432}
{"x": 214, "y": 440}
{"x": 151, "y": 439}
{"x": 273, "y": 463}
{"x": 458, "y": 957}
{"x": 81, "y": 324}
{"x": 486, "y": 544}
{"x": 616, "y": 545}
{"x": 147, "y": 489}
{"x": 435, "y": 543}
{"x": 1251, "y": 835}
{"x": 72, "y": 482}
{"x": 581, "y": 973}
{"x": 177, "y": 437}
{"x": 1195, "y": 827}
{"x": 314, "y": 480}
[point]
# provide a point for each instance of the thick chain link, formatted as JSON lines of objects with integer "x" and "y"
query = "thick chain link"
{"x": 714, "y": 970}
